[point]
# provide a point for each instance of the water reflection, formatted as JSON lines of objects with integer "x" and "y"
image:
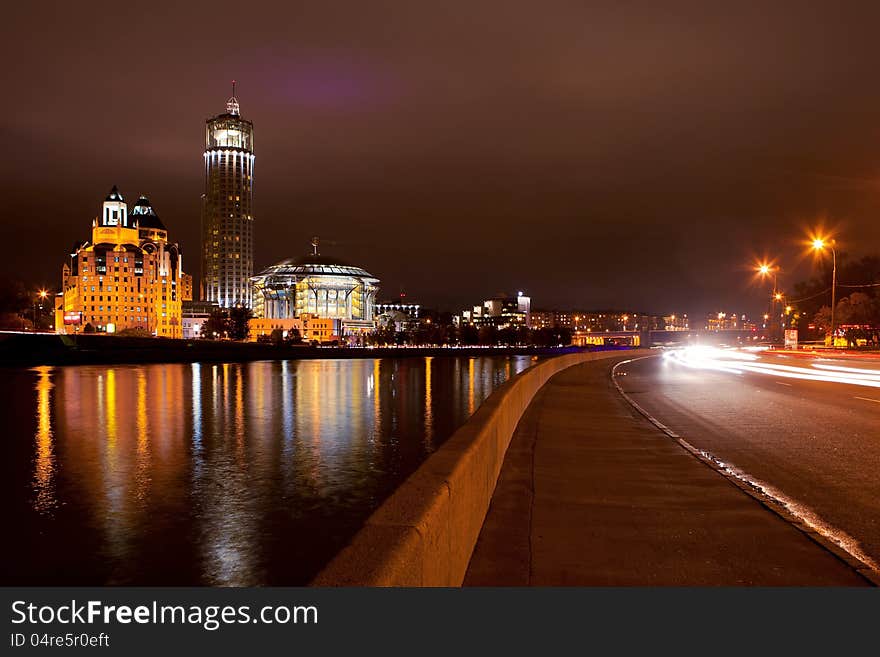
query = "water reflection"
{"x": 429, "y": 411}
{"x": 233, "y": 474}
{"x": 44, "y": 463}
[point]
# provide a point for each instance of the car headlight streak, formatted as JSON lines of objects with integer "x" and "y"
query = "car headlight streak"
{"x": 735, "y": 361}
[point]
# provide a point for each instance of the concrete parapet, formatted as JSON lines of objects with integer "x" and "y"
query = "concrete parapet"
{"x": 424, "y": 534}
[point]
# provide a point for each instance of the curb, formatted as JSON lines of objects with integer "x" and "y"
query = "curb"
{"x": 751, "y": 489}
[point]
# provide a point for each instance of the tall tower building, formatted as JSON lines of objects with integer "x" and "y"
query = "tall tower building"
{"x": 227, "y": 213}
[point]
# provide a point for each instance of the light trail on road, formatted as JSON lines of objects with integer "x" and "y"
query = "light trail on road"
{"x": 736, "y": 361}
{"x": 801, "y": 428}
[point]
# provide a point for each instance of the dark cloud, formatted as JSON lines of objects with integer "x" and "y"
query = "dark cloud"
{"x": 632, "y": 154}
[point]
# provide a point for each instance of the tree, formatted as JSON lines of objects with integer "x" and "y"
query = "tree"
{"x": 134, "y": 332}
{"x": 217, "y": 325}
{"x": 487, "y": 335}
{"x": 238, "y": 322}
{"x": 468, "y": 335}
{"x": 811, "y": 298}
{"x": 858, "y": 308}
{"x": 294, "y": 336}
{"x": 21, "y": 306}
{"x": 822, "y": 320}
{"x": 276, "y": 337}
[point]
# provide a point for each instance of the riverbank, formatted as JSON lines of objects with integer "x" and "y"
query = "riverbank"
{"x": 29, "y": 349}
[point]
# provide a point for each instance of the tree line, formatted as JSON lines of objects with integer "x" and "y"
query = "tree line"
{"x": 856, "y": 308}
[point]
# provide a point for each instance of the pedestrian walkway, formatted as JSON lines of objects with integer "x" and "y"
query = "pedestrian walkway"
{"x": 593, "y": 494}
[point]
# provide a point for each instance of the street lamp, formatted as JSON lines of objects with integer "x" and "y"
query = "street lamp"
{"x": 764, "y": 270}
{"x": 40, "y": 298}
{"x": 819, "y": 245}
{"x": 780, "y": 299}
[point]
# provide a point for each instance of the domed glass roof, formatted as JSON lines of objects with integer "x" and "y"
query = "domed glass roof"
{"x": 315, "y": 265}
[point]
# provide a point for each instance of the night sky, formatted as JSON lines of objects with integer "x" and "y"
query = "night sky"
{"x": 636, "y": 155}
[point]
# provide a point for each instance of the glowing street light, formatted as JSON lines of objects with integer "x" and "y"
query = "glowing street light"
{"x": 40, "y": 298}
{"x": 764, "y": 270}
{"x": 819, "y": 245}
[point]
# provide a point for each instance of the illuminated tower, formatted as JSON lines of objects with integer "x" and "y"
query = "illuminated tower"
{"x": 227, "y": 213}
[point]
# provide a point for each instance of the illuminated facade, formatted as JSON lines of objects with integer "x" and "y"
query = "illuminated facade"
{"x": 587, "y": 338}
{"x": 311, "y": 329}
{"x": 676, "y": 322}
{"x": 318, "y": 286}
{"x": 195, "y": 316}
{"x": 129, "y": 276}
{"x": 729, "y": 322}
{"x": 227, "y": 211}
{"x": 501, "y": 312}
{"x": 551, "y": 319}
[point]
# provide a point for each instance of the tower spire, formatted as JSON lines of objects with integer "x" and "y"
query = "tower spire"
{"x": 315, "y": 246}
{"x": 232, "y": 103}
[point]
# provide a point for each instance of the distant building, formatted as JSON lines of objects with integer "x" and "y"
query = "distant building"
{"x": 320, "y": 287}
{"x": 194, "y": 316}
{"x": 399, "y": 316}
{"x": 228, "y": 209}
{"x": 586, "y": 338}
{"x": 551, "y": 319}
{"x": 500, "y": 311}
{"x": 411, "y": 310}
{"x": 676, "y": 322}
{"x": 128, "y": 276}
{"x": 310, "y": 328}
{"x": 613, "y": 320}
{"x": 723, "y": 321}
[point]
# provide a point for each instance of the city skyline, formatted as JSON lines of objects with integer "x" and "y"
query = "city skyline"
{"x": 564, "y": 296}
{"x": 550, "y": 175}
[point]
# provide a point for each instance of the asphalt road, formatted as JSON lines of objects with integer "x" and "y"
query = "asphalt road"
{"x": 813, "y": 444}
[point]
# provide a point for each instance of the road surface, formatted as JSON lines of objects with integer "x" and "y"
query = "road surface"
{"x": 806, "y": 429}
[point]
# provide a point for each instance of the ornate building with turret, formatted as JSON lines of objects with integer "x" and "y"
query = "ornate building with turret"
{"x": 128, "y": 276}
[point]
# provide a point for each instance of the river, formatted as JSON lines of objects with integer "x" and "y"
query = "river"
{"x": 241, "y": 474}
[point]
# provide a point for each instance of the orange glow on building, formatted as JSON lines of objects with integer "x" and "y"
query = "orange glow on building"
{"x": 310, "y": 327}
{"x": 127, "y": 277}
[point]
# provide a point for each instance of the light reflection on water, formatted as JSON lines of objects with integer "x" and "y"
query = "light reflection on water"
{"x": 232, "y": 474}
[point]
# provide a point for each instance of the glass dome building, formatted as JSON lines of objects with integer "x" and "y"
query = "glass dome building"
{"x": 317, "y": 286}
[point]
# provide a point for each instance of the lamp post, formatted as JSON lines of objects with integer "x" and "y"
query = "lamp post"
{"x": 764, "y": 270}
{"x": 40, "y": 298}
{"x": 780, "y": 298}
{"x": 820, "y": 244}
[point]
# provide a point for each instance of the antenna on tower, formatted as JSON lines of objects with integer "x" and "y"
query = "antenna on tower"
{"x": 315, "y": 246}
{"x": 232, "y": 103}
